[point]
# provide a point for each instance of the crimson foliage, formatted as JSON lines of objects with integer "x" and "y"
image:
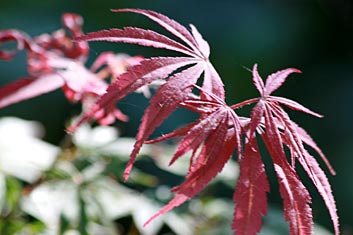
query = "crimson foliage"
{"x": 217, "y": 133}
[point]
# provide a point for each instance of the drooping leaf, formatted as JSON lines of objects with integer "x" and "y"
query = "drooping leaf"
{"x": 250, "y": 193}
{"x": 306, "y": 138}
{"x": 296, "y": 198}
{"x": 293, "y": 140}
{"x": 323, "y": 186}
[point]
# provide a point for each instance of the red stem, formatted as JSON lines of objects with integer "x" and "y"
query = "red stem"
{"x": 246, "y": 102}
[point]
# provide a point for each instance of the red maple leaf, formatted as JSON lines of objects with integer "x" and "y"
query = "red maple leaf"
{"x": 178, "y": 86}
{"x": 278, "y": 130}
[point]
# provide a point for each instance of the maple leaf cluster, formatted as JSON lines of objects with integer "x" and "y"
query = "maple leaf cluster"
{"x": 212, "y": 139}
{"x": 56, "y": 61}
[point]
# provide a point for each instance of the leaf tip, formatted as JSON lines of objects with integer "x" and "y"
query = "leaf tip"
{"x": 126, "y": 173}
{"x": 151, "y": 219}
{"x": 296, "y": 70}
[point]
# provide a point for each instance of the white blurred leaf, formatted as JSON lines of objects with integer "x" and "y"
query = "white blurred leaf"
{"x": 105, "y": 140}
{"x": 49, "y": 200}
{"x": 93, "y": 171}
{"x": 14, "y": 128}
{"x": 117, "y": 201}
{"x": 22, "y": 154}
{"x": 87, "y": 137}
{"x": 123, "y": 147}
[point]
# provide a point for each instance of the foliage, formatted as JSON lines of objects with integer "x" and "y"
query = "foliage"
{"x": 77, "y": 189}
{"x": 56, "y": 61}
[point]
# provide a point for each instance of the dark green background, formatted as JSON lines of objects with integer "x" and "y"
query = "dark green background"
{"x": 315, "y": 36}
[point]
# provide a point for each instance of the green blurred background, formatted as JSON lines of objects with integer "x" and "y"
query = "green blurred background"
{"x": 315, "y": 36}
